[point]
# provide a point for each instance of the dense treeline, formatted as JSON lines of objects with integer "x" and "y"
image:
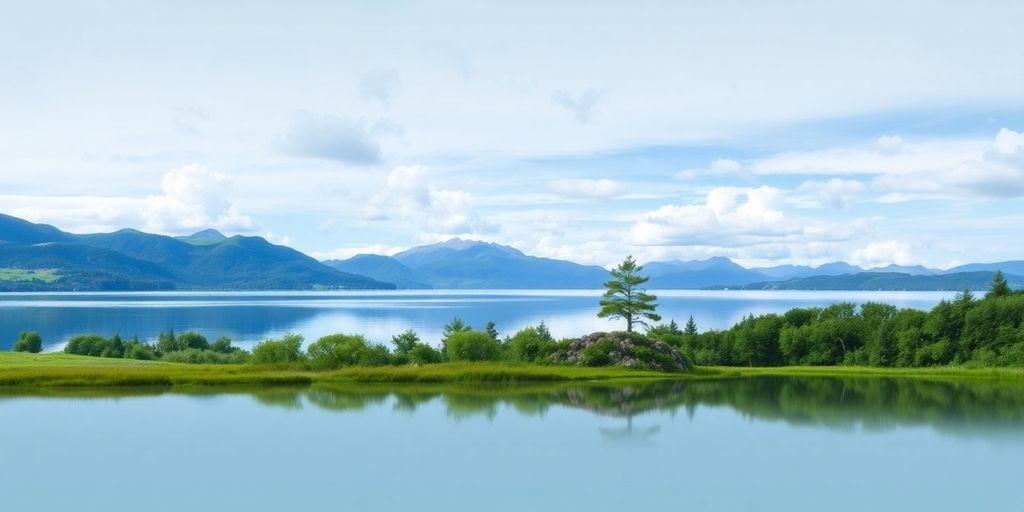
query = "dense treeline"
{"x": 964, "y": 331}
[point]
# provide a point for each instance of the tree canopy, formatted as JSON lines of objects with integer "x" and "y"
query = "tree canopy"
{"x": 623, "y": 297}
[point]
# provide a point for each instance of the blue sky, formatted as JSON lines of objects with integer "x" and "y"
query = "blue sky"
{"x": 782, "y": 132}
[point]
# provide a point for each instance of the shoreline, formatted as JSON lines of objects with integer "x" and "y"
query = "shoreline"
{"x": 28, "y": 371}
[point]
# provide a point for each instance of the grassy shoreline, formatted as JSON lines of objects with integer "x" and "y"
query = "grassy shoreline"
{"x": 20, "y": 370}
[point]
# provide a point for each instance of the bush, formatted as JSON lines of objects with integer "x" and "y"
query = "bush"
{"x": 223, "y": 346}
{"x": 421, "y": 353}
{"x": 29, "y": 342}
{"x": 288, "y": 349}
{"x": 196, "y": 356}
{"x": 336, "y": 351}
{"x": 191, "y": 339}
{"x": 472, "y": 346}
{"x": 87, "y": 345}
{"x": 141, "y": 351}
{"x": 530, "y": 345}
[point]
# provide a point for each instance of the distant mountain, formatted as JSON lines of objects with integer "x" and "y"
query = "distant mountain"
{"x": 699, "y": 274}
{"x": 133, "y": 260}
{"x": 914, "y": 270}
{"x": 890, "y": 281}
{"x": 381, "y": 268}
{"x": 468, "y": 264}
{"x": 792, "y": 271}
{"x": 206, "y": 236}
{"x": 1008, "y": 267}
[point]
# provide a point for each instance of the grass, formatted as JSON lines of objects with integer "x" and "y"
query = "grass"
{"x": 22, "y": 370}
{"x": 65, "y": 370}
{"x": 20, "y": 274}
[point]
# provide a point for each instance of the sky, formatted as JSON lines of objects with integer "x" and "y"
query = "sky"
{"x": 767, "y": 132}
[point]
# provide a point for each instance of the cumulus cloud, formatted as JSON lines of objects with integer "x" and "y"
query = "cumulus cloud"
{"x": 344, "y": 253}
{"x": 379, "y": 85}
{"x": 330, "y": 138}
{"x": 889, "y": 144}
{"x": 581, "y": 105}
{"x": 880, "y": 254}
{"x": 729, "y": 216}
{"x": 409, "y": 195}
{"x": 193, "y": 198}
{"x": 589, "y": 188}
{"x": 905, "y": 171}
{"x": 836, "y": 192}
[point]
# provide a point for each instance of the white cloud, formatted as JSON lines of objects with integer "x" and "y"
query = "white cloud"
{"x": 330, "y": 138}
{"x": 904, "y": 171}
{"x": 344, "y": 253}
{"x": 726, "y": 165}
{"x": 836, "y": 192}
{"x": 589, "y": 188}
{"x": 729, "y": 217}
{"x": 889, "y": 144}
{"x": 379, "y": 85}
{"x": 193, "y": 198}
{"x": 880, "y": 254}
{"x": 409, "y": 195}
{"x": 581, "y": 105}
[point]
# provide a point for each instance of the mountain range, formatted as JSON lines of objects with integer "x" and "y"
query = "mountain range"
{"x": 133, "y": 260}
{"x": 42, "y": 257}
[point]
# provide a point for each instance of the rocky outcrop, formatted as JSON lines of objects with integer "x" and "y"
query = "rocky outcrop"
{"x": 631, "y": 350}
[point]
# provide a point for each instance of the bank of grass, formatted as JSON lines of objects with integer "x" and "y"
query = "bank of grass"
{"x": 20, "y": 274}
{"x": 23, "y": 370}
{"x": 65, "y": 370}
{"x": 931, "y": 373}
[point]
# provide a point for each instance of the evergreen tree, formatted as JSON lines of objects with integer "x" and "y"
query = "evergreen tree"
{"x": 999, "y": 286}
{"x": 691, "y": 327}
{"x": 543, "y": 332}
{"x": 491, "y": 330}
{"x": 623, "y": 297}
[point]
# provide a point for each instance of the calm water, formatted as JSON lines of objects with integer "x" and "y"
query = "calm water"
{"x": 768, "y": 444}
{"x": 251, "y": 317}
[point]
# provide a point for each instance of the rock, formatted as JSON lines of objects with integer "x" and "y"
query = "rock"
{"x": 631, "y": 350}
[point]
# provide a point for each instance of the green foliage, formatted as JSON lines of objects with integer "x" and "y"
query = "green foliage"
{"x": 624, "y": 299}
{"x": 405, "y": 342}
{"x": 197, "y": 356}
{"x": 286, "y": 350}
{"x": 999, "y": 286}
{"x": 472, "y": 346}
{"x": 491, "y": 330}
{"x": 223, "y": 346}
{"x": 422, "y": 353}
{"x": 341, "y": 350}
{"x": 531, "y": 345}
{"x": 28, "y": 342}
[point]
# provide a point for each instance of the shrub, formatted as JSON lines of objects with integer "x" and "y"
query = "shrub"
{"x": 29, "y": 342}
{"x": 336, "y": 351}
{"x": 192, "y": 339}
{"x": 87, "y": 345}
{"x": 421, "y": 353}
{"x": 472, "y": 346}
{"x": 196, "y": 356}
{"x": 530, "y": 345}
{"x": 223, "y": 346}
{"x": 141, "y": 351}
{"x": 288, "y": 349}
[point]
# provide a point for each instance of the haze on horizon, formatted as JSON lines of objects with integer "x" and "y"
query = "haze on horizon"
{"x": 869, "y": 132}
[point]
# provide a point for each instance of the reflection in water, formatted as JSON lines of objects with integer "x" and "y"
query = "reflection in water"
{"x": 984, "y": 408}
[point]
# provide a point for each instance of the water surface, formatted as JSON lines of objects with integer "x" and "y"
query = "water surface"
{"x": 766, "y": 444}
{"x": 249, "y": 317}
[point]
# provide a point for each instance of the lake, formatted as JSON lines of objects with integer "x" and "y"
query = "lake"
{"x": 793, "y": 444}
{"x": 250, "y": 317}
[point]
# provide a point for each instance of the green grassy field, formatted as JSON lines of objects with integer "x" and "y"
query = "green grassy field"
{"x": 65, "y": 370}
{"x": 27, "y": 370}
{"x": 20, "y": 274}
